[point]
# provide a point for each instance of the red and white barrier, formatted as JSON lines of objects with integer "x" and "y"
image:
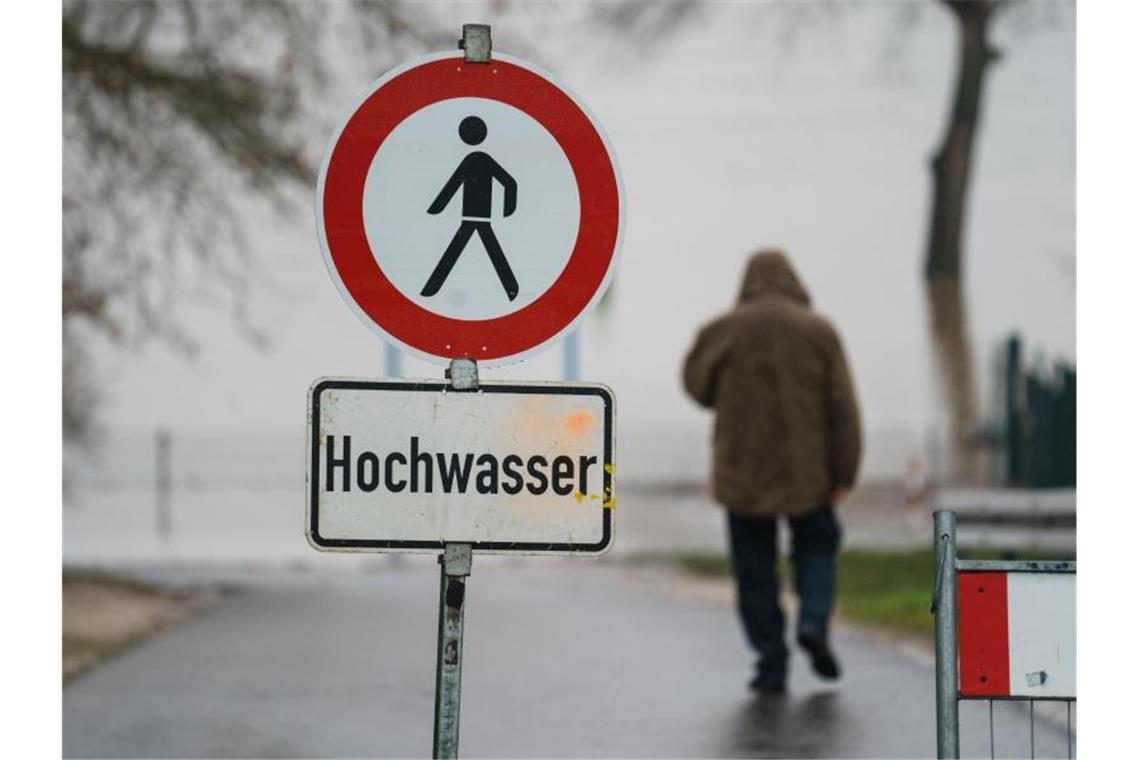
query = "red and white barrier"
{"x": 1017, "y": 634}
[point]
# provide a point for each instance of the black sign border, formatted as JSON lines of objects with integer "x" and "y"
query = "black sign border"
{"x": 498, "y": 547}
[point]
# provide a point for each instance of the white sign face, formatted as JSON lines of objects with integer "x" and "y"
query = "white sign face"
{"x": 413, "y": 168}
{"x": 1042, "y": 634}
{"x": 509, "y": 468}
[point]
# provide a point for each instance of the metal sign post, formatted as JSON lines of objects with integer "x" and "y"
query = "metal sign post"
{"x": 455, "y": 562}
{"x": 945, "y": 606}
{"x": 454, "y": 567}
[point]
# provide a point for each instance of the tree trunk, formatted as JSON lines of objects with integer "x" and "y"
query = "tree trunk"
{"x": 954, "y": 367}
{"x": 953, "y": 350}
{"x": 951, "y": 165}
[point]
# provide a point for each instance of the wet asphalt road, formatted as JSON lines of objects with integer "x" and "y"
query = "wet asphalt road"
{"x": 571, "y": 658}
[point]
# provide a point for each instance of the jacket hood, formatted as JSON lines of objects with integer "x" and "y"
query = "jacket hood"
{"x": 770, "y": 275}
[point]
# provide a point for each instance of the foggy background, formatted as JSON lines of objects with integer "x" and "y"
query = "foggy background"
{"x": 740, "y": 126}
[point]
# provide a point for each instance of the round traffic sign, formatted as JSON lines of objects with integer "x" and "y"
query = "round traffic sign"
{"x": 470, "y": 209}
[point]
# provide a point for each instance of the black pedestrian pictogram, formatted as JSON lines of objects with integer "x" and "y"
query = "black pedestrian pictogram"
{"x": 475, "y": 174}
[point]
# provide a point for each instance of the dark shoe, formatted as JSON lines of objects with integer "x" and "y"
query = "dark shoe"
{"x": 823, "y": 660}
{"x": 768, "y": 683}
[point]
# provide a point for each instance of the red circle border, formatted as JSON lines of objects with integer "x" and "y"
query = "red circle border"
{"x": 343, "y": 209}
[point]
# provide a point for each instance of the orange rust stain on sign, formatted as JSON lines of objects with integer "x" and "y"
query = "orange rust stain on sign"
{"x": 578, "y": 424}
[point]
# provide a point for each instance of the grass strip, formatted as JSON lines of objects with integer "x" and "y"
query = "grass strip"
{"x": 887, "y": 589}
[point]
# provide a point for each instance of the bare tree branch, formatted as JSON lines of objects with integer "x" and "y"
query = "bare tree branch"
{"x": 177, "y": 116}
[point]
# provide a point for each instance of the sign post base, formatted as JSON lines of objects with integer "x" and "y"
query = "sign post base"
{"x": 455, "y": 566}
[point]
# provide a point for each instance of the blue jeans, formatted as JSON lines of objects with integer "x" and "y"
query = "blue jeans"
{"x": 815, "y": 543}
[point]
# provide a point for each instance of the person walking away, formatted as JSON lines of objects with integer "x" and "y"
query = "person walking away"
{"x": 786, "y": 443}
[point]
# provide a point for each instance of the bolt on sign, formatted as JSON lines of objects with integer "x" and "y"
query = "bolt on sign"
{"x": 411, "y": 466}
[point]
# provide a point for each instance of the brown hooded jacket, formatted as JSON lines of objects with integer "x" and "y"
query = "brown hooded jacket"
{"x": 787, "y": 423}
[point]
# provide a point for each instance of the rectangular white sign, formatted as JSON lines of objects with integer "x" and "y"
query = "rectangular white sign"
{"x": 508, "y": 468}
{"x": 1042, "y": 634}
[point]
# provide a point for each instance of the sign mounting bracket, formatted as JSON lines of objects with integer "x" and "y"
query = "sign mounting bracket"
{"x": 463, "y": 374}
{"x": 476, "y": 43}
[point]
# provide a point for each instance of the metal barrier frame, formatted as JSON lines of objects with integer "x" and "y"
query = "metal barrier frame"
{"x": 944, "y": 605}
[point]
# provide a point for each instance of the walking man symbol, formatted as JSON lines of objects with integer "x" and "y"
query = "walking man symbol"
{"x": 474, "y": 174}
